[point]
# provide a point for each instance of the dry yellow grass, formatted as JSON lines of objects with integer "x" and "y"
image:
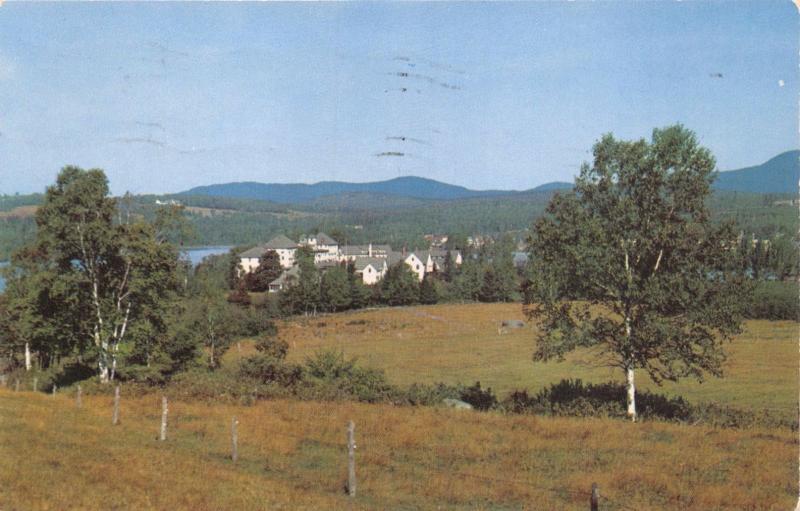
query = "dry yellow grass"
{"x": 460, "y": 343}
{"x": 292, "y": 456}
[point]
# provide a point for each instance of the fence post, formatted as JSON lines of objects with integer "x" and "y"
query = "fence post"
{"x": 4, "y": 380}
{"x": 595, "y": 502}
{"x": 163, "y": 418}
{"x": 55, "y": 387}
{"x": 115, "y": 416}
{"x": 78, "y": 396}
{"x": 351, "y": 459}
{"x": 16, "y": 385}
{"x": 234, "y": 440}
{"x": 35, "y": 383}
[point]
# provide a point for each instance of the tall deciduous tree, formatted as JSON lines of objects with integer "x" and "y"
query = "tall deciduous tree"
{"x": 629, "y": 265}
{"x": 335, "y": 289}
{"x": 87, "y": 279}
{"x": 400, "y": 286}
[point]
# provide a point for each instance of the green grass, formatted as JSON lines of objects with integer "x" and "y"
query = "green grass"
{"x": 461, "y": 343}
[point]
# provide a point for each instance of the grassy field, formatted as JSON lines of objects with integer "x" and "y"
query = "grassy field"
{"x": 292, "y": 456}
{"x": 461, "y": 343}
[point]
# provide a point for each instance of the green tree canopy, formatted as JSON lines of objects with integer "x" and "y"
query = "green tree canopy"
{"x": 89, "y": 283}
{"x": 400, "y": 285}
{"x": 658, "y": 284}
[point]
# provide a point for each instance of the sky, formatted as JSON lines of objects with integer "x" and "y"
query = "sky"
{"x": 170, "y": 95}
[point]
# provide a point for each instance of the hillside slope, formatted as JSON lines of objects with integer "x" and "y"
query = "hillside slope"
{"x": 778, "y": 175}
{"x": 299, "y": 193}
{"x": 292, "y": 455}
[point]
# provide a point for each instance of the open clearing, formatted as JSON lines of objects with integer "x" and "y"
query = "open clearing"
{"x": 460, "y": 343}
{"x": 292, "y": 456}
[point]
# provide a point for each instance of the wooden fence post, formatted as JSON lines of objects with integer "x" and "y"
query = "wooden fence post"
{"x": 115, "y": 416}
{"x": 55, "y": 387}
{"x": 351, "y": 459}
{"x": 234, "y": 440}
{"x": 78, "y": 396}
{"x": 595, "y": 501}
{"x": 4, "y": 380}
{"x": 16, "y": 385}
{"x": 163, "y": 418}
{"x": 35, "y": 383}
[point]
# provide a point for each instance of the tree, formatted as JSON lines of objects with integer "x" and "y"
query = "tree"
{"x": 303, "y": 293}
{"x": 400, "y": 286}
{"x": 659, "y": 285}
{"x": 428, "y": 293}
{"x": 335, "y": 290}
{"x": 783, "y": 257}
{"x": 268, "y": 270}
{"x": 88, "y": 280}
{"x": 467, "y": 284}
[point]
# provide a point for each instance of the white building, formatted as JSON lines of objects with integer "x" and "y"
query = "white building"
{"x": 326, "y": 249}
{"x": 286, "y": 249}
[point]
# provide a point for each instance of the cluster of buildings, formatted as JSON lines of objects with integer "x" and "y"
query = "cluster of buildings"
{"x": 371, "y": 262}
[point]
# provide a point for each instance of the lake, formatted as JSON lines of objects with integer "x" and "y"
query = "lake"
{"x": 195, "y": 255}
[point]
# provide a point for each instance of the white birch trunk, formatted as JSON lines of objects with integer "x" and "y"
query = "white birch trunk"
{"x": 27, "y": 357}
{"x": 631, "y": 393}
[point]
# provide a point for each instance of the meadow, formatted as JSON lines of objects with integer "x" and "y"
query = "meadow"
{"x": 463, "y": 343}
{"x": 292, "y": 456}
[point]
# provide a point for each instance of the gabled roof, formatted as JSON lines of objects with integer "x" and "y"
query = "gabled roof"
{"x": 255, "y": 252}
{"x": 376, "y": 262}
{"x": 280, "y": 241}
{"x": 324, "y": 239}
{"x": 291, "y": 273}
{"x": 363, "y": 250}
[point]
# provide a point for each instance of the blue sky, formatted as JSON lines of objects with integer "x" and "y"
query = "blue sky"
{"x": 166, "y": 96}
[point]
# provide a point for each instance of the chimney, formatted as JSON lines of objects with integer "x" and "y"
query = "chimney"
{"x": 404, "y": 251}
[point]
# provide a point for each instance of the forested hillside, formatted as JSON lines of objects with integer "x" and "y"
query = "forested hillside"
{"x": 364, "y": 217}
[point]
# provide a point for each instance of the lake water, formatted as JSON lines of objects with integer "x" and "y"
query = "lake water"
{"x": 195, "y": 255}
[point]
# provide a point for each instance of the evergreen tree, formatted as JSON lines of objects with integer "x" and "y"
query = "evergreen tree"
{"x": 428, "y": 293}
{"x": 335, "y": 290}
{"x": 467, "y": 284}
{"x": 267, "y": 271}
{"x": 400, "y": 285}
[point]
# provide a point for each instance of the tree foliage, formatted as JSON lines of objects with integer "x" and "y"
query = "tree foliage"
{"x": 87, "y": 284}
{"x": 630, "y": 266}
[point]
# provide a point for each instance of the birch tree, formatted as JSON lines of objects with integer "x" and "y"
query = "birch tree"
{"x": 102, "y": 275}
{"x": 630, "y": 267}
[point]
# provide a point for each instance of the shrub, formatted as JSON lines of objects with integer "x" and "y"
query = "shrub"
{"x": 331, "y": 374}
{"x": 574, "y": 398}
{"x": 267, "y": 369}
{"x": 775, "y": 300}
{"x": 480, "y": 399}
{"x": 272, "y": 347}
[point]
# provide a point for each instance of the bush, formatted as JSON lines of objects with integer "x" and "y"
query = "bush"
{"x": 775, "y": 300}
{"x": 573, "y": 398}
{"x": 267, "y": 369}
{"x": 272, "y": 347}
{"x": 480, "y": 399}
{"x": 331, "y": 374}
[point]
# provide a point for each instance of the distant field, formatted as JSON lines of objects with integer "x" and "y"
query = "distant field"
{"x": 292, "y": 457}
{"x": 461, "y": 343}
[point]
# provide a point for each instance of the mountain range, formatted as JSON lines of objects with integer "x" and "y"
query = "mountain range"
{"x": 778, "y": 175}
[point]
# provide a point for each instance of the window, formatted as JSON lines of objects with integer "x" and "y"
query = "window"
{"x": 417, "y": 267}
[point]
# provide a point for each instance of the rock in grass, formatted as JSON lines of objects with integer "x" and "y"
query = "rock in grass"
{"x": 456, "y": 403}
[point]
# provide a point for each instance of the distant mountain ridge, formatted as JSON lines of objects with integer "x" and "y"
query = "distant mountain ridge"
{"x": 298, "y": 193}
{"x": 778, "y": 175}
